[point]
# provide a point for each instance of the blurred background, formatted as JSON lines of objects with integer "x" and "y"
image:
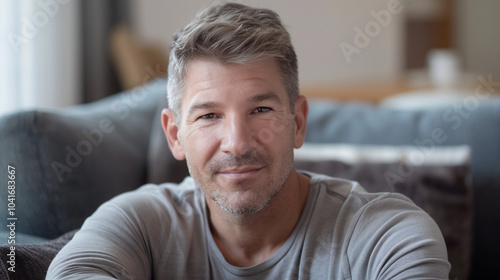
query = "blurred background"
{"x": 57, "y": 53}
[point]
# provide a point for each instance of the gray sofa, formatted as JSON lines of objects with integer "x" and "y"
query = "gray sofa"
{"x": 68, "y": 162}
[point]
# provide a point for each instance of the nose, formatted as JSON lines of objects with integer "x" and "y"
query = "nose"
{"x": 236, "y": 135}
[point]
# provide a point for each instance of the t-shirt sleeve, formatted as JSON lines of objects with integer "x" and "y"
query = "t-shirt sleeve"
{"x": 113, "y": 243}
{"x": 392, "y": 238}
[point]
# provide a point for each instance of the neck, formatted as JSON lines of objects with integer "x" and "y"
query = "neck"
{"x": 246, "y": 240}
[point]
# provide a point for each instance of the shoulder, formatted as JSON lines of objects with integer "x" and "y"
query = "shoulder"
{"x": 398, "y": 238}
{"x": 153, "y": 205}
{"x": 353, "y": 196}
{"x": 130, "y": 234}
{"x": 167, "y": 195}
{"x": 384, "y": 235}
{"x": 361, "y": 209}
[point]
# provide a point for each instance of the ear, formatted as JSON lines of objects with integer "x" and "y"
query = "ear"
{"x": 169, "y": 124}
{"x": 300, "y": 118}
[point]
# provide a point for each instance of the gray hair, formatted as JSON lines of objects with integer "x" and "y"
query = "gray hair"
{"x": 232, "y": 33}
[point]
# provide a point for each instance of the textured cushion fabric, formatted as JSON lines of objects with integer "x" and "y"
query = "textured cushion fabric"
{"x": 32, "y": 260}
{"x": 462, "y": 124}
{"x": 21, "y": 238}
{"x": 68, "y": 162}
{"x": 439, "y": 183}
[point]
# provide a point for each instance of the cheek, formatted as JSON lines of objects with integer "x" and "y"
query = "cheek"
{"x": 271, "y": 131}
{"x": 200, "y": 144}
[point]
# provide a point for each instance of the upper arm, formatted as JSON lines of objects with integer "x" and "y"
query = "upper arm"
{"x": 394, "y": 239}
{"x": 112, "y": 243}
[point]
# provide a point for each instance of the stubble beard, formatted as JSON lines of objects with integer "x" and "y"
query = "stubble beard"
{"x": 256, "y": 201}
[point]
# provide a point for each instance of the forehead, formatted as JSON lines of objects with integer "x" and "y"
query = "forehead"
{"x": 206, "y": 69}
{"x": 212, "y": 79}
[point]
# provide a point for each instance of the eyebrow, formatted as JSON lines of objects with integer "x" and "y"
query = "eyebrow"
{"x": 266, "y": 96}
{"x": 202, "y": 106}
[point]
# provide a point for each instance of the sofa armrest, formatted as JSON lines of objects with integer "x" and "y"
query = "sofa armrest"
{"x": 30, "y": 261}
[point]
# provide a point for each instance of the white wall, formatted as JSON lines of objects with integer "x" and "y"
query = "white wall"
{"x": 317, "y": 28}
{"x": 477, "y": 35}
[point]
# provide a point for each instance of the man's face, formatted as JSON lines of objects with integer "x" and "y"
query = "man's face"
{"x": 237, "y": 132}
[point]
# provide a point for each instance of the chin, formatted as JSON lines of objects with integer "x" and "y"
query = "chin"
{"x": 243, "y": 204}
{"x": 241, "y": 210}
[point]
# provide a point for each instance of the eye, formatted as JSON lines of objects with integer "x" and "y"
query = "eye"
{"x": 208, "y": 116}
{"x": 262, "y": 110}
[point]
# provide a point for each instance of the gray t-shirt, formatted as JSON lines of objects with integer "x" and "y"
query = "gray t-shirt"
{"x": 161, "y": 232}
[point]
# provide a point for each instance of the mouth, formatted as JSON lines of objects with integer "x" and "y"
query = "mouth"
{"x": 240, "y": 172}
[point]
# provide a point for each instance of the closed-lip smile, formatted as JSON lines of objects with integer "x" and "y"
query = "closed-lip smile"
{"x": 240, "y": 172}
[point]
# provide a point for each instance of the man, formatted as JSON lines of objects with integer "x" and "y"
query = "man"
{"x": 235, "y": 115}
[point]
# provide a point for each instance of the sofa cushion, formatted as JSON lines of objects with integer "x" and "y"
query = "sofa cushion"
{"x": 438, "y": 182}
